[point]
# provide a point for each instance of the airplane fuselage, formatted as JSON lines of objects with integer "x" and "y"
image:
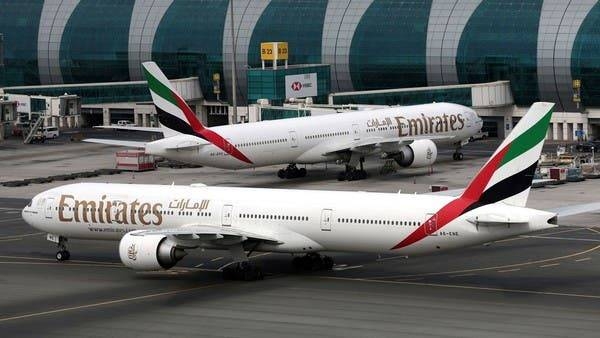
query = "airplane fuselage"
{"x": 316, "y": 139}
{"x": 304, "y": 221}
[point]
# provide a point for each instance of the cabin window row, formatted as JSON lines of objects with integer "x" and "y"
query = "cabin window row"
{"x": 265, "y": 142}
{"x": 340, "y": 133}
{"x": 376, "y": 221}
{"x": 274, "y": 217}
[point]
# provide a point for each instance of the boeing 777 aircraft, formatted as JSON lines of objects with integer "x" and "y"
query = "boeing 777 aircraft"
{"x": 157, "y": 224}
{"x": 407, "y": 135}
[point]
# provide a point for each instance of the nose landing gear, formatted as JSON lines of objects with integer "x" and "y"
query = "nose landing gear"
{"x": 62, "y": 254}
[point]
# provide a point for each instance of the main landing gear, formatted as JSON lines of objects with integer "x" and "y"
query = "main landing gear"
{"x": 62, "y": 254}
{"x": 242, "y": 268}
{"x": 291, "y": 172}
{"x": 352, "y": 173}
{"x": 312, "y": 262}
{"x": 246, "y": 271}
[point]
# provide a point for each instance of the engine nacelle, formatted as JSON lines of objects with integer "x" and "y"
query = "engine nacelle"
{"x": 420, "y": 153}
{"x": 149, "y": 252}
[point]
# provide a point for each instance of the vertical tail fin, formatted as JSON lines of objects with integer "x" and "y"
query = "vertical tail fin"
{"x": 174, "y": 115}
{"x": 505, "y": 177}
{"x": 508, "y": 174}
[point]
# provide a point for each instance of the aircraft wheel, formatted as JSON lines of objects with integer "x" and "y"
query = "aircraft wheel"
{"x": 302, "y": 172}
{"x": 281, "y": 173}
{"x": 62, "y": 255}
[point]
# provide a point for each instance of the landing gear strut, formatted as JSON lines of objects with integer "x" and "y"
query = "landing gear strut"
{"x": 352, "y": 173}
{"x": 292, "y": 171}
{"x": 312, "y": 262}
{"x": 62, "y": 254}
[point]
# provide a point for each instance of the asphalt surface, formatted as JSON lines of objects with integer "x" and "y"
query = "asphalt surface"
{"x": 544, "y": 284}
{"x": 539, "y": 285}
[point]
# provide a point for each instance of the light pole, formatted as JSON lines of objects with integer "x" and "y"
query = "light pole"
{"x": 233, "y": 70}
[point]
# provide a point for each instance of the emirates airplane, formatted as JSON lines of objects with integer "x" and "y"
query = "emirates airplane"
{"x": 157, "y": 224}
{"x": 408, "y": 135}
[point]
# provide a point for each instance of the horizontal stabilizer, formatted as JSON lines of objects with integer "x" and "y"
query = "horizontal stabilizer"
{"x": 577, "y": 209}
{"x": 119, "y": 143}
{"x": 497, "y": 219}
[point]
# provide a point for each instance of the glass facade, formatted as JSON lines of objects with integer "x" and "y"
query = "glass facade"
{"x": 585, "y": 58}
{"x": 270, "y": 83}
{"x": 405, "y": 98}
{"x": 539, "y": 46}
{"x": 189, "y": 42}
{"x": 273, "y": 113}
{"x": 298, "y": 22}
{"x": 500, "y": 43}
{"x": 19, "y": 24}
{"x": 94, "y": 45}
{"x": 388, "y": 47}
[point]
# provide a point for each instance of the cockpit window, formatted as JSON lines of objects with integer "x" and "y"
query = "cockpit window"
{"x": 30, "y": 203}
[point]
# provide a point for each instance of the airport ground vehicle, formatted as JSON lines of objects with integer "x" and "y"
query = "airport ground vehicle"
{"x": 50, "y": 132}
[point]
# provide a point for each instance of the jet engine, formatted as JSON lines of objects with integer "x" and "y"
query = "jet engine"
{"x": 420, "y": 153}
{"x": 149, "y": 252}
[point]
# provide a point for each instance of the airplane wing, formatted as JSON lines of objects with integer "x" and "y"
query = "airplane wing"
{"x": 369, "y": 144}
{"x": 120, "y": 143}
{"x": 150, "y": 129}
{"x": 209, "y": 234}
{"x": 451, "y": 193}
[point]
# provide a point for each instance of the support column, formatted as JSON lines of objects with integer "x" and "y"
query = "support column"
{"x": 105, "y": 116}
{"x": 565, "y": 128}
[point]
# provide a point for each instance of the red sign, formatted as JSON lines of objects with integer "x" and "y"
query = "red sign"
{"x": 296, "y": 86}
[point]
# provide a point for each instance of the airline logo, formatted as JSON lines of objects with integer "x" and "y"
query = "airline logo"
{"x": 175, "y": 114}
{"x": 423, "y": 125}
{"x": 71, "y": 209}
{"x": 296, "y": 86}
{"x": 132, "y": 252}
{"x": 507, "y": 173}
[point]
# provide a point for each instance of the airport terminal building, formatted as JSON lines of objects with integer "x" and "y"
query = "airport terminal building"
{"x": 547, "y": 50}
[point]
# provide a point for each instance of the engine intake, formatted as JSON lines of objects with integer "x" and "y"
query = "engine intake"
{"x": 149, "y": 252}
{"x": 420, "y": 153}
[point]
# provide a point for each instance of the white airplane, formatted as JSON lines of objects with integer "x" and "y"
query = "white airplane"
{"x": 156, "y": 224}
{"x": 406, "y": 134}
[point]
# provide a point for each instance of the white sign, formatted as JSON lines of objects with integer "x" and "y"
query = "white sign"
{"x": 302, "y": 85}
{"x": 23, "y": 102}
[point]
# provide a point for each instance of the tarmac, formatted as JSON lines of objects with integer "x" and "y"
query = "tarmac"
{"x": 542, "y": 284}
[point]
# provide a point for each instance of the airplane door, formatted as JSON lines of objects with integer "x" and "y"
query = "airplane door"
{"x": 226, "y": 215}
{"x": 293, "y": 139}
{"x": 326, "y": 220}
{"x": 356, "y": 131}
{"x": 49, "y": 208}
{"x": 431, "y": 225}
